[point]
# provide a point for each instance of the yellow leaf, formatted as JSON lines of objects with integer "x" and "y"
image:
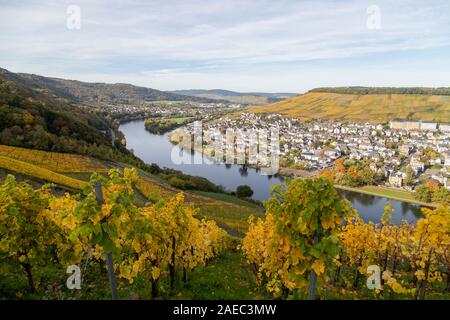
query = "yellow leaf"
{"x": 318, "y": 267}
{"x": 155, "y": 273}
{"x": 420, "y": 274}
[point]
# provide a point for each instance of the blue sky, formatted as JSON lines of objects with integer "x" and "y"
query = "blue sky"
{"x": 253, "y": 45}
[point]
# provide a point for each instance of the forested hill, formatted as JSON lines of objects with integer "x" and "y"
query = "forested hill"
{"x": 445, "y": 91}
{"x": 30, "y": 118}
{"x": 95, "y": 93}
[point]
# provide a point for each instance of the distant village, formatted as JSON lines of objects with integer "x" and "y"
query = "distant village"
{"x": 393, "y": 150}
{"x": 164, "y": 109}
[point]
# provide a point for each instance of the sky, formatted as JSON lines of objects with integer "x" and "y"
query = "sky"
{"x": 241, "y": 45}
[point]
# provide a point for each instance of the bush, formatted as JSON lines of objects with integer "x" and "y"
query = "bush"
{"x": 424, "y": 194}
{"x": 441, "y": 195}
{"x": 244, "y": 191}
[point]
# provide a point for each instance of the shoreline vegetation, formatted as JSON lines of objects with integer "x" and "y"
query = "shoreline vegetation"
{"x": 163, "y": 125}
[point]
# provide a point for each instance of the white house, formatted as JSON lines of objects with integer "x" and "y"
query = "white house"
{"x": 428, "y": 126}
{"x": 447, "y": 160}
{"x": 396, "y": 179}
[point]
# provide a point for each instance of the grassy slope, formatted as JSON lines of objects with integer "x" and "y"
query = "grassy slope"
{"x": 235, "y": 281}
{"x": 376, "y": 108}
{"x": 227, "y": 198}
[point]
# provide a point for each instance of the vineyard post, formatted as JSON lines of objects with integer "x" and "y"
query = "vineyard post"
{"x": 109, "y": 260}
{"x": 313, "y": 277}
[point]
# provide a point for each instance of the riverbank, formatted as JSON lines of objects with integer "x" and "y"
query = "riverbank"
{"x": 230, "y": 176}
{"x": 390, "y": 193}
{"x": 381, "y": 191}
{"x": 163, "y": 125}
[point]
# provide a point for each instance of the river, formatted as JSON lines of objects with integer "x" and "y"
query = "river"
{"x": 153, "y": 148}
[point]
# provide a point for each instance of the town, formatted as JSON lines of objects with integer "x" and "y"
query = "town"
{"x": 400, "y": 154}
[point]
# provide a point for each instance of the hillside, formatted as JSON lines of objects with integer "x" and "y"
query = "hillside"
{"x": 93, "y": 93}
{"x": 33, "y": 119}
{"x": 385, "y": 90}
{"x": 252, "y": 98}
{"x": 71, "y": 171}
{"x": 375, "y": 108}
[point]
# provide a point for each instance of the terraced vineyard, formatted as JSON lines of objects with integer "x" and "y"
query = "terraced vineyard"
{"x": 374, "y": 108}
{"x": 58, "y": 162}
{"x": 32, "y": 170}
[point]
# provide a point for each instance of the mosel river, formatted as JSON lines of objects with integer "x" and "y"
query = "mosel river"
{"x": 157, "y": 149}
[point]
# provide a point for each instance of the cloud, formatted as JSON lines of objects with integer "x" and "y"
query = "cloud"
{"x": 206, "y": 38}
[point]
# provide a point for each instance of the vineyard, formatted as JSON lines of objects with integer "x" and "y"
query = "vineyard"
{"x": 73, "y": 170}
{"x": 38, "y": 172}
{"x": 42, "y": 234}
{"x": 232, "y": 216}
{"x": 153, "y": 191}
{"x": 311, "y": 241}
{"x": 54, "y": 161}
{"x": 374, "y": 108}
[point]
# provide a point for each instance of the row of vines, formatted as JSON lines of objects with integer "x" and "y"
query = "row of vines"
{"x": 39, "y": 230}
{"x": 312, "y": 240}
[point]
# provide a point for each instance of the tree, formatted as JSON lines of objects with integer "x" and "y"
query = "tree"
{"x": 441, "y": 195}
{"x": 340, "y": 168}
{"x": 424, "y": 193}
{"x": 409, "y": 176}
{"x": 328, "y": 174}
{"x": 244, "y": 191}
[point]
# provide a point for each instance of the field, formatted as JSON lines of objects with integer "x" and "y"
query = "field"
{"x": 374, "y": 108}
{"x": 153, "y": 191}
{"x": 229, "y": 212}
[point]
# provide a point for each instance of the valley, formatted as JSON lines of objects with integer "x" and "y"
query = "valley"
{"x": 58, "y": 136}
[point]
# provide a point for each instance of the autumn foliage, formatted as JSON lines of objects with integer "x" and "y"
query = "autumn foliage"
{"x": 283, "y": 248}
{"x": 39, "y": 229}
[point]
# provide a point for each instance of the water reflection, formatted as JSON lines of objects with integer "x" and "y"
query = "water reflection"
{"x": 243, "y": 171}
{"x": 371, "y": 208}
